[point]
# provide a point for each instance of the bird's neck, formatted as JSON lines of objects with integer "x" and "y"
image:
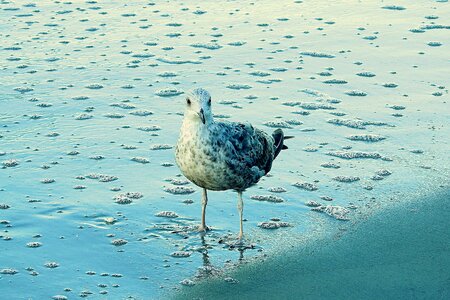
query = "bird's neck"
{"x": 195, "y": 125}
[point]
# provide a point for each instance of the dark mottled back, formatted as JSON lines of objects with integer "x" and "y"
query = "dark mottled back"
{"x": 245, "y": 149}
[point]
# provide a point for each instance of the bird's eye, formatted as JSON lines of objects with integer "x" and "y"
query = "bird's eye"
{"x": 209, "y": 101}
{"x": 188, "y": 101}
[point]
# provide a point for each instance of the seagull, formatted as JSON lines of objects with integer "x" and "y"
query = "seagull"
{"x": 220, "y": 156}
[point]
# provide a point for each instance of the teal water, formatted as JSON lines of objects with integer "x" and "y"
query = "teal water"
{"x": 400, "y": 253}
{"x": 91, "y": 102}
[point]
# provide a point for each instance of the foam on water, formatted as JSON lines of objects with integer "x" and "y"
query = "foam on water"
{"x": 91, "y": 101}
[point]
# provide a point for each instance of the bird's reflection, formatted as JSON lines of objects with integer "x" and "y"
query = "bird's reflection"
{"x": 241, "y": 254}
{"x": 208, "y": 269}
{"x": 204, "y": 250}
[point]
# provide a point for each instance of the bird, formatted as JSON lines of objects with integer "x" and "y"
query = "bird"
{"x": 219, "y": 156}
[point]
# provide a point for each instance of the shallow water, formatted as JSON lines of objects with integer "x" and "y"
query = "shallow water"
{"x": 91, "y": 103}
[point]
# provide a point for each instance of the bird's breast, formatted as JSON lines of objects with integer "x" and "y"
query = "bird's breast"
{"x": 200, "y": 160}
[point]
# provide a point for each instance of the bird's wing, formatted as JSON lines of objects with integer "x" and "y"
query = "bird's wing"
{"x": 244, "y": 146}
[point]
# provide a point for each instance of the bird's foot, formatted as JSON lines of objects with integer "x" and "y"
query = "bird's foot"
{"x": 240, "y": 240}
{"x": 241, "y": 243}
{"x": 203, "y": 228}
{"x": 233, "y": 242}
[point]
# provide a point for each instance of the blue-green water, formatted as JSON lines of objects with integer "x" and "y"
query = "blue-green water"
{"x": 91, "y": 102}
{"x": 400, "y": 253}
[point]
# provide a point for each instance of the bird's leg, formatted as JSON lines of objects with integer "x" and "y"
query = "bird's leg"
{"x": 204, "y": 202}
{"x": 240, "y": 207}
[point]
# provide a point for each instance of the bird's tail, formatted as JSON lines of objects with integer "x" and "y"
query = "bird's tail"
{"x": 279, "y": 137}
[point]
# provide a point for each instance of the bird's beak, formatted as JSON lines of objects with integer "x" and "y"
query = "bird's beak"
{"x": 202, "y": 116}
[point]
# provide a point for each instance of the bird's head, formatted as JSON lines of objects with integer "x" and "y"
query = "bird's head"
{"x": 198, "y": 106}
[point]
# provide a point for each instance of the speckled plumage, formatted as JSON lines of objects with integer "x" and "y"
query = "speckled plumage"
{"x": 222, "y": 155}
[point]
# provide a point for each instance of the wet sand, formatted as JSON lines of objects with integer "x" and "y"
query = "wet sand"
{"x": 400, "y": 253}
